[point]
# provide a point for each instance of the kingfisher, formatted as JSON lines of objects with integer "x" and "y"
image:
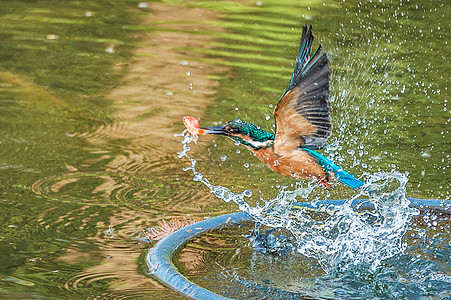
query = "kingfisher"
{"x": 303, "y": 124}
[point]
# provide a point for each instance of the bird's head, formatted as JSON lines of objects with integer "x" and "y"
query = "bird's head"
{"x": 244, "y": 133}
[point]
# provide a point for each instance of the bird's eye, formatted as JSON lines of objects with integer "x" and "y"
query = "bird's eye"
{"x": 236, "y": 130}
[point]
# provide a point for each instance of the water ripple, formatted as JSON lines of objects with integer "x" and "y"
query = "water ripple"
{"x": 99, "y": 188}
{"x": 106, "y": 189}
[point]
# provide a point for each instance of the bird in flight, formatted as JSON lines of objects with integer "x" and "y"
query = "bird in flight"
{"x": 303, "y": 124}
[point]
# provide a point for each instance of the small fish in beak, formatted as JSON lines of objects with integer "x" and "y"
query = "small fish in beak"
{"x": 192, "y": 125}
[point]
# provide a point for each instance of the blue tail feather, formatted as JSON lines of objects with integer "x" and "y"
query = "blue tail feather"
{"x": 342, "y": 176}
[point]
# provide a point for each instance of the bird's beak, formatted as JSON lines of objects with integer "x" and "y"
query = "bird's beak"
{"x": 215, "y": 130}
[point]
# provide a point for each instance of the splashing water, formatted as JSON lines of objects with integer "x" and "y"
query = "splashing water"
{"x": 348, "y": 236}
{"x": 353, "y": 236}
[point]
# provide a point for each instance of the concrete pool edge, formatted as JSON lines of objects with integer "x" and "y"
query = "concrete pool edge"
{"x": 159, "y": 258}
{"x": 366, "y": 204}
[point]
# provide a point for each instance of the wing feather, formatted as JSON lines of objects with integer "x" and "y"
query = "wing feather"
{"x": 302, "y": 114}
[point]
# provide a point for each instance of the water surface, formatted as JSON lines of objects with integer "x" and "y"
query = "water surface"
{"x": 91, "y": 93}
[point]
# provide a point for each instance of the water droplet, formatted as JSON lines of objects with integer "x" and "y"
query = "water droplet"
{"x": 267, "y": 117}
{"x": 246, "y": 165}
{"x": 188, "y": 73}
{"x": 197, "y": 176}
{"x": 425, "y": 154}
{"x": 110, "y": 49}
{"x": 143, "y": 5}
{"x": 223, "y": 158}
{"x": 238, "y": 151}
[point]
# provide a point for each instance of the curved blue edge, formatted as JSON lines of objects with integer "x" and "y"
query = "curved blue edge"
{"x": 159, "y": 258}
{"x": 366, "y": 204}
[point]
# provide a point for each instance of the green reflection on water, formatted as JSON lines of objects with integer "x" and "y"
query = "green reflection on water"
{"x": 55, "y": 66}
{"x": 67, "y": 46}
{"x": 59, "y": 60}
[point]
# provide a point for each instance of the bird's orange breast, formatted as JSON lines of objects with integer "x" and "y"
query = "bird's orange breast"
{"x": 296, "y": 164}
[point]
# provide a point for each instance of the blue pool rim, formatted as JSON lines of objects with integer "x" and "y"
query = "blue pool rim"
{"x": 159, "y": 258}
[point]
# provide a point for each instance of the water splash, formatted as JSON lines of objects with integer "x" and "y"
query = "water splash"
{"x": 220, "y": 192}
{"x": 351, "y": 235}
{"x": 348, "y": 235}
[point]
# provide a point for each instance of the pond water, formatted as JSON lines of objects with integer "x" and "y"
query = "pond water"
{"x": 91, "y": 93}
{"x": 228, "y": 263}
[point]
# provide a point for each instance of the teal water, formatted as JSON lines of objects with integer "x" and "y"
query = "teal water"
{"x": 92, "y": 92}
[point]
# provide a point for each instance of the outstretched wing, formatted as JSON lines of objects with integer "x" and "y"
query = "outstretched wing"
{"x": 302, "y": 114}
